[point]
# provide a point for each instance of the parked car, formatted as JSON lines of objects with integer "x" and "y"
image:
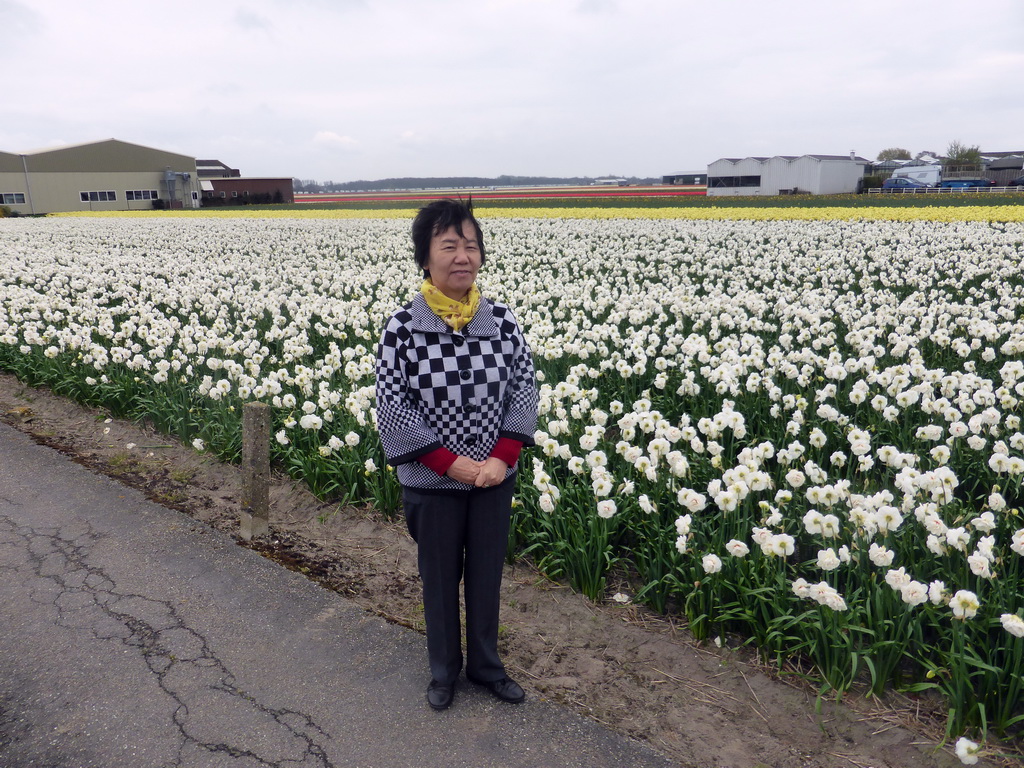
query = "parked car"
{"x": 1018, "y": 182}
{"x": 900, "y": 184}
{"x": 967, "y": 183}
{"x": 929, "y": 175}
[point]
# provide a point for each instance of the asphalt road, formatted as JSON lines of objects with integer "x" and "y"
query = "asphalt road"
{"x": 130, "y": 635}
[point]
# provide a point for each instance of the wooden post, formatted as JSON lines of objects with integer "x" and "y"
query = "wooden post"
{"x": 255, "y": 516}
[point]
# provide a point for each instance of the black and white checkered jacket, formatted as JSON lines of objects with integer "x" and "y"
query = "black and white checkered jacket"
{"x": 462, "y": 390}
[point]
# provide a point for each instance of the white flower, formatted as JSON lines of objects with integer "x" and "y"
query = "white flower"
{"x": 737, "y": 548}
{"x": 620, "y": 597}
{"x": 602, "y": 485}
{"x": 964, "y": 604}
{"x": 282, "y": 438}
{"x": 958, "y": 538}
{"x": 897, "y": 578}
{"x": 914, "y": 593}
{"x": 352, "y": 439}
{"x": 936, "y": 592}
{"x": 888, "y": 518}
{"x": 1013, "y": 624}
{"x": 996, "y": 502}
{"x": 986, "y": 522}
{"x": 880, "y": 556}
{"x": 979, "y": 565}
{"x": 606, "y": 508}
{"x": 829, "y": 526}
{"x": 1017, "y": 542}
{"x": 727, "y": 500}
{"x": 967, "y": 751}
{"x": 801, "y": 588}
{"x": 546, "y": 503}
{"x": 692, "y": 500}
{"x": 812, "y": 521}
{"x": 310, "y": 421}
{"x": 782, "y": 544}
{"x": 712, "y": 563}
{"x": 828, "y": 560}
{"x": 824, "y": 594}
{"x": 198, "y": 444}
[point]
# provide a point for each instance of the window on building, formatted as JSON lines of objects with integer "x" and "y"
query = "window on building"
{"x": 12, "y": 198}
{"x": 719, "y": 182}
{"x": 234, "y": 193}
{"x": 142, "y": 194}
{"x": 98, "y": 197}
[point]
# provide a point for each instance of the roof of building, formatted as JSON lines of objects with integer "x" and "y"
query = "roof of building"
{"x": 791, "y": 158}
{"x": 80, "y": 145}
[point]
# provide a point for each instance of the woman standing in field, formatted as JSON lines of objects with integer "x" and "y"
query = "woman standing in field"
{"x": 456, "y": 403}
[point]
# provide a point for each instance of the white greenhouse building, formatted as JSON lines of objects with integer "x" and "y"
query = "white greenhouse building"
{"x": 786, "y": 174}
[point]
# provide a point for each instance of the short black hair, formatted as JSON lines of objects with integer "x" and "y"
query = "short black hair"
{"x": 437, "y": 217}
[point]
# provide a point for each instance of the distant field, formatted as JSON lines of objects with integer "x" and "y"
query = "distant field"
{"x": 652, "y": 196}
{"x": 506, "y": 193}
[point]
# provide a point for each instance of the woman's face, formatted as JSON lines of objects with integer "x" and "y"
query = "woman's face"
{"x": 454, "y": 260}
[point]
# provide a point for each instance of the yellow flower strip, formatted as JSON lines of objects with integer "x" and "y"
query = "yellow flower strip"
{"x": 951, "y": 213}
{"x": 1009, "y": 213}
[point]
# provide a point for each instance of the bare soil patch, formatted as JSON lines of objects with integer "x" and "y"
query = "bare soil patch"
{"x": 635, "y": 672}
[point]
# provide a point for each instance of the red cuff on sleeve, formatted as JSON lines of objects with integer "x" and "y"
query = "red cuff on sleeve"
{"x": 439, "y": 460}
{"x": 507, "y": 450}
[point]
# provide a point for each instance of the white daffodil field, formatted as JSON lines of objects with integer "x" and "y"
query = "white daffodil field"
{"x": 802, "y": 432}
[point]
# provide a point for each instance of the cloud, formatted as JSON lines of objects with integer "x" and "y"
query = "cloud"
{"x": 333, "y": 140}
{"x": 512, "y": 86}
{"x": 247, "y": 19}
{"x": 597, "y": 6}
{"x": 17, "y": 23}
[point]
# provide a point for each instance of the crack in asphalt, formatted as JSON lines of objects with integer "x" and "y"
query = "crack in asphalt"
{"x": 203, "y": 691}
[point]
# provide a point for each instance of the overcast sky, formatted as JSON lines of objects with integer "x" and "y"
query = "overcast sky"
{"x": 367, "y": 89}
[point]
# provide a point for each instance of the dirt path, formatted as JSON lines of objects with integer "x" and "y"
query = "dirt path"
{"x": 637, "y": 673}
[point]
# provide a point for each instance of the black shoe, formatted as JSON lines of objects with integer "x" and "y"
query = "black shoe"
{"x": 505, "y": 689}
{"x": 439, "y": 695}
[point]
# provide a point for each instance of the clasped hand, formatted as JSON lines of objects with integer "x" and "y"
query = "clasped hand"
{"x": 482, "y": 474}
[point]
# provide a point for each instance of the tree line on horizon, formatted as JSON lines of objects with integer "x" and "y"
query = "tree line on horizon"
{"x": 956, "y": 153}
{"x": 454, "y": 182}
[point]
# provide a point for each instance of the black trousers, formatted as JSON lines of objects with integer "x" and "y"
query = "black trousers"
{"x": 461, "y": 537}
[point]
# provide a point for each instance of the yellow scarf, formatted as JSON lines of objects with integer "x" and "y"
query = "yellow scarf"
{"x": 456, "y": 314}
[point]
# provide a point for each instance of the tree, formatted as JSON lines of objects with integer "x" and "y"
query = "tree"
{"x": 893, "y": 153}
{"x": 961, "y": 154}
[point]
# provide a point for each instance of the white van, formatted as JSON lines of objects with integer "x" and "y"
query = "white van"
{"x": 924, "y": 174}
